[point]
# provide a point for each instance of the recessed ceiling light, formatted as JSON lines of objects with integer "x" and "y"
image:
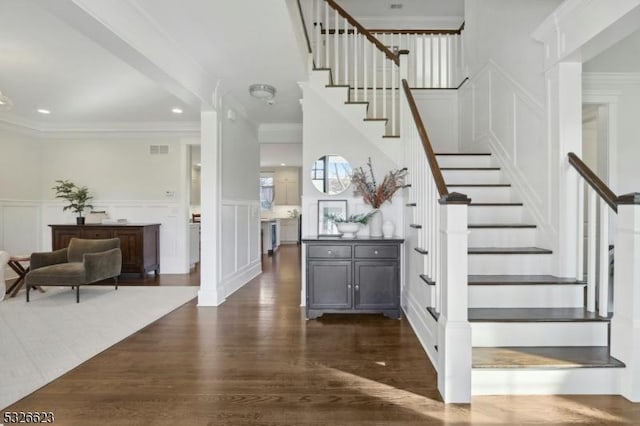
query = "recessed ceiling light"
{"x": 395, "y": 6}
{"x": 283, "y": 164}
{"x": 43, "y": 111}
{"x": 176, "y": 110}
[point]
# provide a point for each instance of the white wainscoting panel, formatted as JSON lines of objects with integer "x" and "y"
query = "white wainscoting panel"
{"x": 240, "y": 256}
{"x": 502, "y": 116}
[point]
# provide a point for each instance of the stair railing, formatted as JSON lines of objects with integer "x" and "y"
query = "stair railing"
{"x": 625, "y": 322}
{"x": 444, "y": 238}
{"x": 600, "y": 203}
{"x": 436, "y": 60}
{"x": 357, "y": 59}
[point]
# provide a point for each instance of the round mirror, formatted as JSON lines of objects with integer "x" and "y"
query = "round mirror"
{"x": 331, "y": 174}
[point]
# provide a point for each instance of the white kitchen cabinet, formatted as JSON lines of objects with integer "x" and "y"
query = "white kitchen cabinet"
{"x": 287, "y": 186}
{"x": 194, "y": 243}
{"x": 289, "y": 230}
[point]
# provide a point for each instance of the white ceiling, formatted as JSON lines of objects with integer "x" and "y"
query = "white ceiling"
{"x": 75, "y": 59}
{"x": 100, "y": 64}
{"x": 621, "y": 57}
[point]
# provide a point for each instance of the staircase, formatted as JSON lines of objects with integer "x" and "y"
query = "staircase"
{"x": 531, "y": 333}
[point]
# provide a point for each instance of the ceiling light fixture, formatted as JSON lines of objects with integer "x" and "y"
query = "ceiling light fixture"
{"x": 5, "y": 103}
{"x": 283, "y": 164}
{"x": 177, "y": 110}
{"x": 265, "y": 92}
{"x": 43, "y": 111}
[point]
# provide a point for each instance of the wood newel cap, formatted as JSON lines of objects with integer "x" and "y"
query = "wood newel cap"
{"x": 454, "y": 198}
{"x": 631, "y": 198}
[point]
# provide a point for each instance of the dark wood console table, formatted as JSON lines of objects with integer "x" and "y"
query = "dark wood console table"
{"x": 353, "y": 276}
{"x": 140, "y": 243}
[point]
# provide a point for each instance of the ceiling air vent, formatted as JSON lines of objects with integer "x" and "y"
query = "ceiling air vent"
{"x": 395, "y": 6}
{"x": 158, "y": 149}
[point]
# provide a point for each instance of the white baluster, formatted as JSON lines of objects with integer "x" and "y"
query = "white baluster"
{"x": 580, "y": 224}
{"x": 374, "y": 69}
{"x": 393, "y": 98}
{"x": 356, "y": 37}
{"x": 384, "y": 79}
{"x": 345, "y": 48}
{"x": 432, "y": 61}
{"x": 591, "y": 252}
{"x": 327, "y": 40}
{"x": 316, "y": 31}
{"x": 603, "y": 293}
{"x": 336, "y": 48}
{"x": 365, "y": 48}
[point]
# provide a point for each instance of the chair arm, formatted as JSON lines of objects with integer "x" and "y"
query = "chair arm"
{"x": 102, "y": 265}
{"x": 38, "y": 260}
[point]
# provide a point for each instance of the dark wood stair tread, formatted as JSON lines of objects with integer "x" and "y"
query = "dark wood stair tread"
{"x": 357, "y": 103}
{"x": 427, "y": 280}
{"x": 547, "y": 357}
{"x": 392, "y": 136}
{"x": 521, "y": 280}
{"x": 411, "y": 204}
{"x": 421, "y": 250}
{"x": 534, "y": 315}
{"x": 508, "y": 250}
{"x": 415, "y": 226}
{"x": 435, "y": 315}
{"x": 500, "y": 225}
{"x": 376, "y": 119}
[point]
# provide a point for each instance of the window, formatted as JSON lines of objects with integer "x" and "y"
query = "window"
{"x": 266, "y": 191}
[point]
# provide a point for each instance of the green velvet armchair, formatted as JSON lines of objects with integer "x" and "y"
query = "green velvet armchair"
{"x": 82, "y": 262}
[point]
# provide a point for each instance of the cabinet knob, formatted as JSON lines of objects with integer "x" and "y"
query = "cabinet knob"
{"x": 357, "y": 287}
{"x": 349, "y": 286}
{"x": 329, "y": 252}
{"x": 375, "y": 252}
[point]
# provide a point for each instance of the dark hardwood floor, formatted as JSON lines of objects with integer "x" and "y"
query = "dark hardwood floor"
{"x": 255, "y": 360}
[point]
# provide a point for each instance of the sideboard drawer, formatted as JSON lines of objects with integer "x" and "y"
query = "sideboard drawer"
{"x": 376, "y": 251}
{"x": 329, "y": 252}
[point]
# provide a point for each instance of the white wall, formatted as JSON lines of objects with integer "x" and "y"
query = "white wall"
{"x": 503, "y": 106}
{"x": 439, "y": 112}
{"x": 325, "y": 132}
{"x": 20, "y": 192}
{"x": 500, "y": 30}
{"x": 240, "y": 209}
{"x": 622, "y": 57}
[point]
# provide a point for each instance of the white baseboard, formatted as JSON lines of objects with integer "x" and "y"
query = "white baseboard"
{"x": 419, "y": 320}
{"x": 235, "y": 281}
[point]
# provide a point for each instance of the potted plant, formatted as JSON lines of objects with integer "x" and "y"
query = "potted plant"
{"x": 77, "y": 198}
{"x": 375, "y": 194}
{"x": 349, "y": 226}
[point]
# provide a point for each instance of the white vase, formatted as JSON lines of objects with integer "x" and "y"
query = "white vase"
{"x": 375, "y": 224}
{"x": 387, "y": 229}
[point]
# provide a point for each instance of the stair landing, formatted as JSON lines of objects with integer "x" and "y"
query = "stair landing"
{"x": 545, "y": 357}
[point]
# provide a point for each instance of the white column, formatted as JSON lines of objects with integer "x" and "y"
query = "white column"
{"x": 625, "y": 325}
{"x": 564, "y": 94}
{"x": 454, "y": 330}
{"x": 210, "y": 294}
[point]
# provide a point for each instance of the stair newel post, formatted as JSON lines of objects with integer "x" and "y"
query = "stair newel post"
{"x": 625, "y": 325}
{"x": 603, "y": 281}
{"x": 454, "y": 330}
{"x": 580, "y": 231}
{"x": 591, "y": 250}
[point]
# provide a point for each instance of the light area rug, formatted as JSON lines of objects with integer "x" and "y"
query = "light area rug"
{"x": 43, "y": 339}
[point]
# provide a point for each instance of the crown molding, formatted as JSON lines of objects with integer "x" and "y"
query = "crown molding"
{"x": 613, "y": 80}
{"x": 104, "y": 130}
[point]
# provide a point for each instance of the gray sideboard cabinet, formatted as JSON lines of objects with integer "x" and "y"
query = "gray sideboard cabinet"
{"x": 353, "y": 276}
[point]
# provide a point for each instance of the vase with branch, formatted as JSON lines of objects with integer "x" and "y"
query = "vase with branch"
{"x": 77, "y": 197}
{"x": 376, "y": 193}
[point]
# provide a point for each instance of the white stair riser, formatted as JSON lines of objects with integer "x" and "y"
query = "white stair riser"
{"x": 537, "y": 381}
{"x": 495, "y": 214}
{"x": 485, "y": 194}
{"x": 335, "y": 95}
{"x": 498, "y": 334}
{"x": 502, "y": 237}
{"x": 526, "y": 296}
{"x": 464, "y": 160}
{"x": 319, "y": 78}
{"x": 471, "y": 176}
{"x": 510, "y": 264}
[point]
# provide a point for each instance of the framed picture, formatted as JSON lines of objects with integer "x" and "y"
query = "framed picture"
{"x": 328, "y": 208}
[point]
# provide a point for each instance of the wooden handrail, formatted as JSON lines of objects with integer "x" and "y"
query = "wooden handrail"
{"x": 426, "y": 143}
{"x": 304, "y": 26}
{"x": 364, "y": 31}
{"x": 594, "y": 181}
